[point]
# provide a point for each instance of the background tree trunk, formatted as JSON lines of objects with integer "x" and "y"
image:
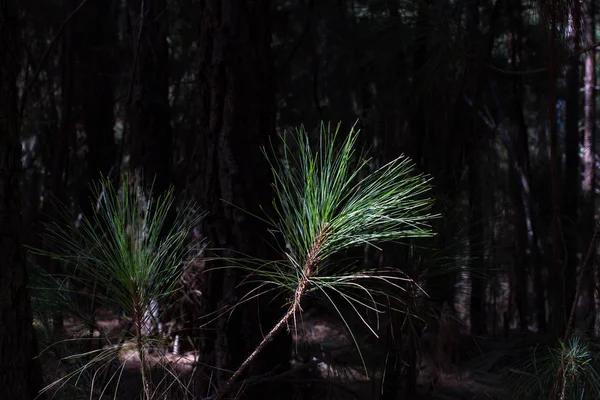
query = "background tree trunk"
{"x": 557, "y": 286}
{"x": 572, "y": 181}
{"x": 56, "y": 189}
{"x": 589, "y": 158}
{"x": 20, "y": 377}
{"x": 151, "y": 137}
{"x": 236, "y": 117}
{"x": 96, "y": 51}
{"x": 526, "y": 246}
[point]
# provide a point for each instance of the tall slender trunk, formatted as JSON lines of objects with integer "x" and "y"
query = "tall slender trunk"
{"x": 56, "y": 181}
{"x": 148, "y": 114}
{"x": 572, "y": 183}
{"x": 476, "y": 261}
{"x": 481, "y": 45}
{"x": 557, "y": 286}
{"x": 528, "y": 258}
{"x": 236, "y": 117}
{"x": 96, "y": 54}
{"x": 521, "y": 259}
{"x": 151, "y": 137}
{"x": 589, "y": 153}
{"x": 441, "y": 162}
{"x": 402, "y": 345}
{"x": 20, "y": 375}
{"x": 95, "y": 50}
{"x": 589, "y": 122}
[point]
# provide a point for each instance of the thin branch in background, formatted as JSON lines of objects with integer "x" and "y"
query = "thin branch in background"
{"x": 592, "y": 47}
{"x": 136, "y": 57}
{"x": 305, "y": 32}
{"x": 42, "y": 62}
{"x": 585, "y": 269}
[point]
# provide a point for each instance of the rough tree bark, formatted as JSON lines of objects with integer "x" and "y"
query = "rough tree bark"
{"x": 589, "y": 123}
{"x": 443, "y": 164}
{"x": 528, "y": 252}
{"x": 57, "y": 178}
{"x": 20, "y": 377}
{"x": 556, "y": 285}
{"x": 476, "y": 261}
{"x": 572, "y": 181}
{"x": 96, "y": 52}
{"x": 589, "y": 154}
{"x": 151, "y": 137}
{"x": 236, "y": 116}
{"x": 481, "y": 45}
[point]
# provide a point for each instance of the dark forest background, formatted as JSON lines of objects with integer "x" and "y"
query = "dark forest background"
{"x": 494, "y": 99}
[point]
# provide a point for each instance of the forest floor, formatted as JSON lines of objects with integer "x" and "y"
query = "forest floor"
{"x": 323, "y": 349}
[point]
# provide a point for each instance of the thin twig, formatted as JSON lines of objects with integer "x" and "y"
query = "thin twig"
{"x": 542, "y": 69}
{"x": 136, "y": 57}
{"x": 269, "y": 337}
{"x": 303, "y": 285}
{"x": 146, "y": 376}
{"x": 46, "y": 55}
{"x": 584, "y": 269}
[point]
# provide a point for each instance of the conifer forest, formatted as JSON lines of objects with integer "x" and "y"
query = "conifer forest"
{"x": 299, "y": 199}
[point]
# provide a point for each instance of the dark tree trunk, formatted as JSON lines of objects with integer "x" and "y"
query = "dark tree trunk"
{"x": 393, "y": 366}
{"x": 442, "y": 160}
{"x": 528, "y": 254}
{"x": 476, "y": 261}
{"x": 61, "y": 143}
{"x": 400, "y": 365}
{"x": 557, "y": 287}
{"x": 556, "y": 283}
{"x": 572, "y": 181}
{"x": 20, "y": 377}
{"x": 96, "y": 54}
{"x": 57, "y": 177}
{"x": 418, "y": 121}
{"x": 520, "y": 257}
{"x": 236, "y": 117}
{"x": 589, "y": 154}
{"x": 481, "y": 45}
{"x": 589, "y": 122}
{"x": 151, "y": 137}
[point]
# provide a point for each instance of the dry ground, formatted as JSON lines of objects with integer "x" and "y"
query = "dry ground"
{"x": 321, "y": 346}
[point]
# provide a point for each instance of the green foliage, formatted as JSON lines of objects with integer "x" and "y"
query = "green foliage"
{"x": 323, "y": 208}
{"x": 130, "y": 249}
{"x": 127, "y": 247}
{"x": 320, "y": 200}
{"x": 568, "y": 371}
{"x": 327, "y": 202}
{"x": 49, "y": 297}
